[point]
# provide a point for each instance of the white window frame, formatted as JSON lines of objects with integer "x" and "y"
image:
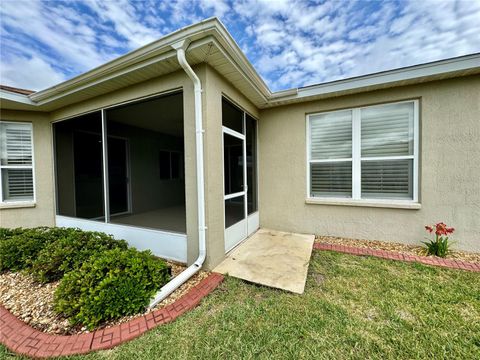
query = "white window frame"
{"x": 356, "y": 160}
{"x": 7, "y": 203}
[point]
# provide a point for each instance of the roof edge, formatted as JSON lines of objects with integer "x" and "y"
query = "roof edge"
{"x": 141, "y": 54}
{"x": 212, "y": 29}
{"x": 392, "y": 77}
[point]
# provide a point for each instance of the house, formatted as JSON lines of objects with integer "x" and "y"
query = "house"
{"x": 181, "y": 143}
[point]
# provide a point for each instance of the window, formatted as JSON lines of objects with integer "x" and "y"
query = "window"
{"x": 171, "y": 166}
{"x": 365, "y": 153}
{"x": 16, "y": 162}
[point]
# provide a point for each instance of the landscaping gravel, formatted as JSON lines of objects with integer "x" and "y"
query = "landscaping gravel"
{"x": 401, "y": 248}
{"x": 32, "y": 302}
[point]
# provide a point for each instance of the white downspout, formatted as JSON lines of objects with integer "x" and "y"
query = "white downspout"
{"x": 170, "y": 287}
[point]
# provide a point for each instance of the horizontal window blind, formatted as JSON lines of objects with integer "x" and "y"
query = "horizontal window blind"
{"x": 16, "y": 166}
{"x": 387, "y": 130}
{"x": 391, "y": 179}
{"x": 331, "y": 135}
{"x": 364, "y": 153}
{"x": 17, "y": 184}
{"x": 16, "y": 142}
{"x": 331, "y": 179}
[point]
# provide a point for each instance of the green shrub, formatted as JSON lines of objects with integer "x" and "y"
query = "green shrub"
{"x": 110, "y": 285}
{"x": 71, "y": 248}
{"x": 6, "y": 233}
{"x": 19, "y": 247}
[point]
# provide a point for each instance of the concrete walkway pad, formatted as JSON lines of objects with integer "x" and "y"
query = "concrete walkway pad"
{"x": 272, "y": 258}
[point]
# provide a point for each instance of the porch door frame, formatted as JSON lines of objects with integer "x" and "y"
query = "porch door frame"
{"x": 238, "y": 231}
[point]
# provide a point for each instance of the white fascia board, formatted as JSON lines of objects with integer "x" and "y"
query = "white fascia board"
{"x": 19, "y": 98}
{"x": 112, "y": 68}
{"x": 386, "y": 77}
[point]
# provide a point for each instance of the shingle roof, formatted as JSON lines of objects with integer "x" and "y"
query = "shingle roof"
{"x": 16, "y": 90}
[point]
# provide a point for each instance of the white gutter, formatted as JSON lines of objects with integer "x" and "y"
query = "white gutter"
{"x": 170, "y": 287}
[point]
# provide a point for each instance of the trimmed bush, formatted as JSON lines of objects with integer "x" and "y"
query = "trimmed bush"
{"x": 19, "y": 247}
{"x": 110, "y": 285}
{"x": 6, "y": 233}
{"x": 71, "y": 248}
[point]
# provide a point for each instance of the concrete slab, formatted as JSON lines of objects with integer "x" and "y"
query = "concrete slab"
{"x": 272, "y": 258}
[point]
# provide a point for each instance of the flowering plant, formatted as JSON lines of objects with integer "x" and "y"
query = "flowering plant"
{"x": 440, "y": 245}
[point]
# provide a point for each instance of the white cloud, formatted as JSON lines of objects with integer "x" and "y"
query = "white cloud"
{"x": 291, "y": 42}
{"x": 32, "y": 74}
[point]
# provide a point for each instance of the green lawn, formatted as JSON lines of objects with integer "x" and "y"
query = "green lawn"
{"x": 353, "y": 308}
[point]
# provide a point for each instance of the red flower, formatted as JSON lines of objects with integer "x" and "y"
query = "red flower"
{"x": 440, "y": 229}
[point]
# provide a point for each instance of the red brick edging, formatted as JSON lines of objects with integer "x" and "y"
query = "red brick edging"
{"x": 23, "y": 339}
{"x": 393, "y": 255}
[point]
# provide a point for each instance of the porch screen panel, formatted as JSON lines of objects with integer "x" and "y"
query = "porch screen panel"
{"x": 146, "y": 176}
{"x": 79, "y": 167}
{"x": 16, "y": 165}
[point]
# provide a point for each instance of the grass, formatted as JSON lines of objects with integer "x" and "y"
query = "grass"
{"x": 353, "y": 308}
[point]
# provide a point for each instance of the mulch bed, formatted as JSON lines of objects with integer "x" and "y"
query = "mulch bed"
{"x": 400, "y": 248}
{"x": 32, "y": 302}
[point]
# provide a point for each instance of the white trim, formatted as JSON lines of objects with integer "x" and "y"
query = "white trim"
{"x": 393, "y": 77}
{"x": 394, "y": 204}
{"x": 245, "y": 184}
{"x": 318, "y": 161}
{"x": 165, "y": 244}
{"x": 253, "y": 222}
{"x": 15, "y": 97}
{"x": 106, "y": 193}
{"x": 234, "y": 195}
{"x": 378, "y": 158}
{"x": 234, "y": 133}
{"x": 308, "y": 157}
{"x": 356, "y": 154}
{"x": 27, "y": 202}
{"x": 357, "y": 162}
{"x": 416, "y": 151}
{"x": 235, "y": 234}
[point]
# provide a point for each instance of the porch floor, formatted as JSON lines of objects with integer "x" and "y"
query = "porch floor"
{"x": 271, "y": 258}
{"x": 169, "y": 219}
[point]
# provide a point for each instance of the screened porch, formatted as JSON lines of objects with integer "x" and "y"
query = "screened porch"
{"x": 121, "y": 170}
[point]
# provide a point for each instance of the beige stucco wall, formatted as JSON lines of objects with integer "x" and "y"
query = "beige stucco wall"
{"x": 215, "y": 87}
{"x": 449, "y": 168}
{"x": 42, "y": 212}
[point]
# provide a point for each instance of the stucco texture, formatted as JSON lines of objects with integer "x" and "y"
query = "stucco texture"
{"x": 449, "y": 187}
{"x": 42, "y": 211}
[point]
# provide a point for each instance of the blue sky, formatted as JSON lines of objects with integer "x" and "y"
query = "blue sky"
{"x": 290, "y": 43}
